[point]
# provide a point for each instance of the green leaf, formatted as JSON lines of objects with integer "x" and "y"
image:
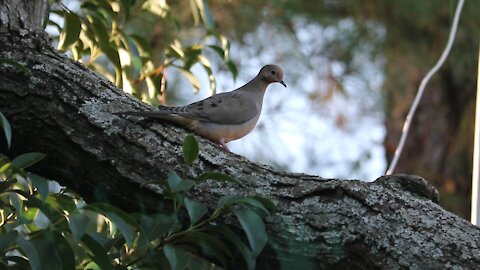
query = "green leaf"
{"x": 154, "y": 227}
{"x": 229, "y": 199}
{"x": 173, "y": 180}
{"x": 268, "y": 204}
{"x": 97, "y": 252}
{"x": 24, "y": 215}
{"x": 210, "y": 245}
{"x": 232, "y": 67}
{"x": 62, "y": 201}
{"x": 4, "y": 185}
{"x": 177, "y": 257}
{"x": 176, "y": 184}
{"x": 41, "y": 254}
{"x": 184, "y": 185}
{"x": 237, "y": 242}
{"x": 40, "y": 183}
{"x": 251, "y": 201}
{"x": 63, "y": 249}
{"x": 190, "y": 149}
{"x": 27, "y": 160}
{"x": 122, "y": 220}
{"x": 5, "y": 168}
{"x": 254, "y": 228}
{"x": 205, "y": 13}
{"x": 255, "y": 203}
{"x": 7, "y": 129}
{"x": 78, "y": 223}
{"x": 195, "y": 210}
{"x": 71, "y": 30}
{"x": 142, "y": 45}
{"x": 126, "y": 8}
{"x": 219, "y": 177}
{"x": 6, "y": 239}
{"x": 92, "y": 266}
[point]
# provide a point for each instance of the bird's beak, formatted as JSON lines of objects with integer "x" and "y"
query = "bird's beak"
{"x": 283, "y": 83}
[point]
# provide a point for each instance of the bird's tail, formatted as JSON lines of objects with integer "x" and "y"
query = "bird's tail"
{"x": 161, "y": 114}
{"x": 162, "y": 110}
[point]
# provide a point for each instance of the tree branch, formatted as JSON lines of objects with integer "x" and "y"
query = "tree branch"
{"x": 65, "y": 110}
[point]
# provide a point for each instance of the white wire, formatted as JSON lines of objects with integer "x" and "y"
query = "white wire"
{"x": 421, "y": 89}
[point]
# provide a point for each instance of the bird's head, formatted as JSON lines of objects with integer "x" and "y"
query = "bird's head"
{"x": 271, "y": 74}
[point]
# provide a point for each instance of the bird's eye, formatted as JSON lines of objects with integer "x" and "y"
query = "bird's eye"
{"x": 273, "y": 72}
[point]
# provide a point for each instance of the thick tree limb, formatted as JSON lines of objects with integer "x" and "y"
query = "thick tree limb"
{"x": 65, "y": 110}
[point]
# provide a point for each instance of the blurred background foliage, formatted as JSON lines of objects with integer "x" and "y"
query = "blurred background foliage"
{"x": 352, "y": 68}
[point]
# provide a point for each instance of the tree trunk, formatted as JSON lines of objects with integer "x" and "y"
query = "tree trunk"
{"x": 63, "y": 109}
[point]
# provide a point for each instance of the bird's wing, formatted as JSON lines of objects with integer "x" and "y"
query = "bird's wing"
{"x": 229, "y": 108}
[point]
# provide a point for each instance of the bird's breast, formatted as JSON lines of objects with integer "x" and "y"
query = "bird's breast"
{"x": 215, "y": 132}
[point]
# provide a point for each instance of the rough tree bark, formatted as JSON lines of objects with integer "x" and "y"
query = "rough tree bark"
{"x": 64, "y": 110}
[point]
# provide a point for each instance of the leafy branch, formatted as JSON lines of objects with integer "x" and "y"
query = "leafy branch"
{"x": 44, "y": 229}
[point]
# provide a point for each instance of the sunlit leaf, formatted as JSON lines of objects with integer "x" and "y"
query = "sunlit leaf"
{"x": 254, "y": 228}
{"x": 159, "y": 8}
{"x": 191, "y": 78}
{"x": 71, "y": 30}
{"x": 190, "y": 149}
{"x": 122, "y": 220}
{"x": 205, "y": 13}
{"x": 5, "y": 167}
{"x": 53, "y": 211}
{"x": 208, "y": 68}
{"x": 24, "y": 216}
{"x": 26, "y": 160}
{"x": 195, "y": 210}
{"x": 7, "y": 129}
{"x": 175, "y": 49}
{"x": 92, "y": 266}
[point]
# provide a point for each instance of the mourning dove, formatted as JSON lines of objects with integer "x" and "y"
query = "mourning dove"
{"x": 223, "y": 117}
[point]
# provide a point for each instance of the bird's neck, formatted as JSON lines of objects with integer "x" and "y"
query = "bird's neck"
{"x": 257, "y": 87}
{"x": 258, "y": 84}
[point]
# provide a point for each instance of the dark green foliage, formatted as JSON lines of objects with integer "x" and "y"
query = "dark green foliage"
{"x": 40, "y": 229}
{"x": 190, "y": 149}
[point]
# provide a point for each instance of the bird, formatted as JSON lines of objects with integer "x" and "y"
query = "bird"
{"x": 222, "y": 117}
